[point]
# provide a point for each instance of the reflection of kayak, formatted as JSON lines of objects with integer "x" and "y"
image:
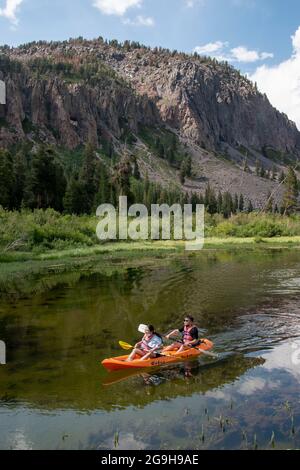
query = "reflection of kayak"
{"x": 122, "y": 375}
{"x": 119, "y": 375}
{"x": 118, "y": 363}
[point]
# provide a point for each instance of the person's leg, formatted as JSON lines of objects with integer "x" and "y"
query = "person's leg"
{"x": 183, "y": 347}
{"x": 146, "y": 356}
{"x": 135, "y": 352}
{"x": 173, "y": 347}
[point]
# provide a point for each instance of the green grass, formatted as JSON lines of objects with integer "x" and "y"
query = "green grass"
{"x": 47, "y": 233}
{"x": 253, "y": 225}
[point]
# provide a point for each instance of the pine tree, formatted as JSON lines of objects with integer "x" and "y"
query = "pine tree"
{"x": 235, "y": 206}
{"x": 219, "y": 203}
{"x": 246, "y": 168}
{"x": 262, "y": 173}
{"x": 161, "y": 150}
{"x": 103, "y": 194}
{"x": 194, "y": 201}
{"x": 210, "y": 200}
{"x": 136, "y": 170}
{"x": 146, "y": 188}
{"x": 290, "y": 198}
{"x": 227, "y": 205}
{"x": 182, "y": 172}
{"x": 241, "y": 203}
{"x": 171, "y": 156}
{"x": 74, "y": 197}
{"x": 45, "y": 184}
{"x": 257, "y": 167}
{"x": 188, "y": 166}
{"x": 121, "y": 179}
{"x": 6, "y": 180}
{"x": 174, "y": 143}
{"x": 88, "y": 177}
{"x": 250, "y": 207}
{"x": 20, "y": 171}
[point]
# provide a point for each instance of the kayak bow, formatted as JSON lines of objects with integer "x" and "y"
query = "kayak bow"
{"x": 119, "y": 363}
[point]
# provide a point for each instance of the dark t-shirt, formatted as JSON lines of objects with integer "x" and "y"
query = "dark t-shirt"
{"x": 193, "y": 332}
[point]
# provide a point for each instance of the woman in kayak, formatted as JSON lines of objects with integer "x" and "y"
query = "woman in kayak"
{"x": 146, "y": 348}
{"x": 189, "y": 333}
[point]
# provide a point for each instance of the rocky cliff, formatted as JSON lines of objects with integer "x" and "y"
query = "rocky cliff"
{"x": 66, "y": 110}
{"x": 71, "y": 92}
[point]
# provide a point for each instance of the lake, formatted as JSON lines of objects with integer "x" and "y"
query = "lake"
{"x": 56, "y": 395}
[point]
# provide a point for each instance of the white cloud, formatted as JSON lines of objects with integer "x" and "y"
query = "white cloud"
{"x": 140, "y": 20}
{"x": 10, "y": 10}
{"x": 282, "y": 82}
{"x": 242, "y": 54}
{"x": 211, "y": 48}
{"x": 220, "y": 50}
{"x": 116, "y": 7}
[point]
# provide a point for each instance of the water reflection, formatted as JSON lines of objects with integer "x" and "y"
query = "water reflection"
{"x": 246, "y": 303}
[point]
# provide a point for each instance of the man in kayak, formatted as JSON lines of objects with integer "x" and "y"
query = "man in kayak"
{"x": 189, "y": 333}
{"x": 146, "y": 348}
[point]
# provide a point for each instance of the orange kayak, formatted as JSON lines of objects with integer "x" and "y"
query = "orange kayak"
{"x": 118, "y": 363}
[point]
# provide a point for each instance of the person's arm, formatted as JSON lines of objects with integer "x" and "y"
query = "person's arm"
{"x": 150, "y": 352}
{"x": 173, "y": 333}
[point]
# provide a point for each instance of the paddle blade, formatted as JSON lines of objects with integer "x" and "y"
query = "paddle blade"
{"x": 142, "y": 328}
{"x": 125, "y": 346}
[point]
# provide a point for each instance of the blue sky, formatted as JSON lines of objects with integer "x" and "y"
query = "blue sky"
{"x": 254, "y": 35}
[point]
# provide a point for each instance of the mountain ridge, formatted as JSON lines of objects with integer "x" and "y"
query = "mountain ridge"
{"x": 68, "y": 93}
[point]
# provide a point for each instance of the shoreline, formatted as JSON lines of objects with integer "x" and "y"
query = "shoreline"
{"x": 127, "y": 248}
{"x": 32, "y": 273}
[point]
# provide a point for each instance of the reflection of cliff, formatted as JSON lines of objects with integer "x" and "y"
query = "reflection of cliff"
{"x": 55, "y": 388}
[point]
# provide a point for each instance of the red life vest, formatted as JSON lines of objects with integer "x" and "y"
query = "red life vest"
{"x": 186, "y": 336}
{"x": 145, "y": 343}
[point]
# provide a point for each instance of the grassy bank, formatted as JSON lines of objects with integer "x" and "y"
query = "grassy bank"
{"x": 41, "y": 232}
{"x": 35, "y": 246}
{"x": 48, "y": 235}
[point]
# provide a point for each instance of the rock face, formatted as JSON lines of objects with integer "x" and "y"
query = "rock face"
{"x": 68, "y": 114}
{"x": 211, "y": 103}
{"x": 68, "y": 93}
{"x": 207, "y": 102}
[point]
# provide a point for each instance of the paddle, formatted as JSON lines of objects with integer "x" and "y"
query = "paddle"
{"x": 128, "y": 346}
{"x": 142, "y": 328}
{"x": 125, "y": 346}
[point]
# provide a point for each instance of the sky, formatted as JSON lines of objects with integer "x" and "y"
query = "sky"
{"x": 259, "y": 37}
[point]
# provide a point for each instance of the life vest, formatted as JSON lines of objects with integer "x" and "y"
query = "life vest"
{"x": 186, "y": 334}
{"x": 152, "y": 342}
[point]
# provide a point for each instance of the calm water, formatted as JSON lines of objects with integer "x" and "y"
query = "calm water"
{"x": 54, "y": 393}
